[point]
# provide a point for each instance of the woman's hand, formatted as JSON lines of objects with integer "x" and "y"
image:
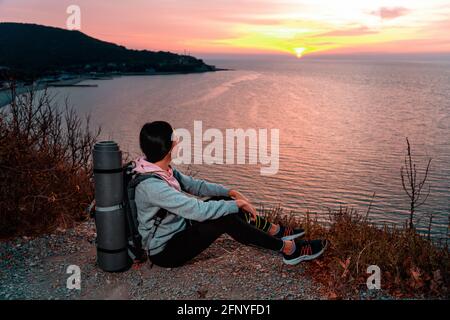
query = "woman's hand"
{"x": 236, "y": 195}
{"x": 246, "y": 206}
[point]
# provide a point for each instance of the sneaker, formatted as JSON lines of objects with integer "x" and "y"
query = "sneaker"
{"x": 288, "y": 233}
{"x": 305, "y": 251}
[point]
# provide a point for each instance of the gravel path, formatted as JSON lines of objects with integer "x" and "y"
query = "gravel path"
{"x": 36, "y": 269}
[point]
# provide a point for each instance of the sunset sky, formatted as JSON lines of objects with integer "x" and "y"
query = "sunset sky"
{"x": 296, "y": 27}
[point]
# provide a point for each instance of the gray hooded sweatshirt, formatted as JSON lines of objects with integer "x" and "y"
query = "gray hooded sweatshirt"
{"x": 154, "y": 193}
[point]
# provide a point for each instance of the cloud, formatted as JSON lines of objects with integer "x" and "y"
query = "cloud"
{"x": 253, "y": 20}
{"x": 358, "y": 31}
{"x": 420, "y": 45}
{"x": 390, "y": 13}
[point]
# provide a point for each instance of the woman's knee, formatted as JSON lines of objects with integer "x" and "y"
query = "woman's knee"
{"x": 239, "y": 216}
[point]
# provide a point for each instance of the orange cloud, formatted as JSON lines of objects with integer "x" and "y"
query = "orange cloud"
{"x": 249, "y": 26}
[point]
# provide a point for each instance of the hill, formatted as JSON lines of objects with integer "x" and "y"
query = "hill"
{"x": 30, "y": 50}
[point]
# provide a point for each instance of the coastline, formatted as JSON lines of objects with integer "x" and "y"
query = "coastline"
{"x": 75, "y": 81}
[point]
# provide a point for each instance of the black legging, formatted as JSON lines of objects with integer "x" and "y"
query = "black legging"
{"x": 198, "y": 236}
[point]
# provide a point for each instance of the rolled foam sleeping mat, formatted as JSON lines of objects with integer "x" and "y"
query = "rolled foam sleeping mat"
{"x": 112, "y": 253}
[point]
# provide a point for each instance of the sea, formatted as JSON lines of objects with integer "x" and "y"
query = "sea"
{"x": 342, "y": 126}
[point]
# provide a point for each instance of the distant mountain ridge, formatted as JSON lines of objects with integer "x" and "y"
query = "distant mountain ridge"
{"x": 33, "y": 50}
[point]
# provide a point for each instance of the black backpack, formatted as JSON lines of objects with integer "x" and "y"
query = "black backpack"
{"x": 130, "y": 181}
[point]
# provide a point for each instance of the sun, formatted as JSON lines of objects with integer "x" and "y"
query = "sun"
{"x": 299, "y": 52}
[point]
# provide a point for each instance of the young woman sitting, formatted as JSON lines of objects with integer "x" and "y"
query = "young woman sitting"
{"x": 191, "y": 225}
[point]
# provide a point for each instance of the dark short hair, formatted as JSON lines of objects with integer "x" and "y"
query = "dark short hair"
{"x": 155, "y": 140}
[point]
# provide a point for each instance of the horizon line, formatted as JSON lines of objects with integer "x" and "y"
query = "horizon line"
{"x": 261, "y": 53}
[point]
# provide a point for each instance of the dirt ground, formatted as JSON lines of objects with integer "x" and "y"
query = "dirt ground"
{"x": 37, "y": 269}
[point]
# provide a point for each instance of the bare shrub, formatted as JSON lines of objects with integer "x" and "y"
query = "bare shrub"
{"x": 45, "y": 167}
{"x": 412, "y": 186}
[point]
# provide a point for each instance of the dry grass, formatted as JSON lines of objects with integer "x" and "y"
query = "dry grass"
{"x": 411, "y": 265}
{"x": 45, "y": 167}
